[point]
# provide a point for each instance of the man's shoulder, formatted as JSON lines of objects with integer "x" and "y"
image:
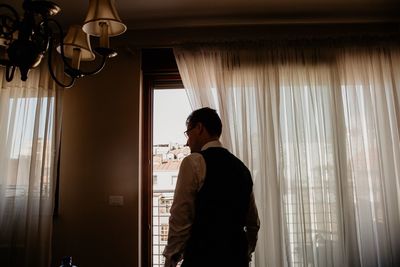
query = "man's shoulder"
{"x": 193, "y": 157}
{"x": 193, "y": 163}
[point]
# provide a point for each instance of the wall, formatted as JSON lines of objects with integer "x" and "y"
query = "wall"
{"x": 99, "y": 158}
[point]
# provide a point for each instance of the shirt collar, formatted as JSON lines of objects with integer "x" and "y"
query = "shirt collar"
{"x": 215, "y": 143}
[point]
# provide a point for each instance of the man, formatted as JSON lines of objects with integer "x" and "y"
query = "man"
{"x": 214, "y": 219}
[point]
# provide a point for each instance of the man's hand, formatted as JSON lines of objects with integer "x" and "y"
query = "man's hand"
{"x": 174, "y": 261}
{"x": 250, "y": 256}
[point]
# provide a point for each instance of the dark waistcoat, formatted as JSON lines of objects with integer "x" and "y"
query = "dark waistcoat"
{"x": 218, "y": 236}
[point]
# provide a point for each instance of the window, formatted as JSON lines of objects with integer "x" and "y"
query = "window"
{"x": 166, "y": 203}
{"x": 174, "y": 178}
{"x": 170, "y": 110}
{"x": 164, "y": 232}
{"x": 160, "y": 76}
{"x": 29, "y": 133}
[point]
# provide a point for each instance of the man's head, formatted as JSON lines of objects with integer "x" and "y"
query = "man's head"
{"x": 203, "y": 125}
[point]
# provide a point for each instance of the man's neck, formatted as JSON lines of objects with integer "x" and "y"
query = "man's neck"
{"x": 207, "y": 140}
{"x": 210, "y": 144}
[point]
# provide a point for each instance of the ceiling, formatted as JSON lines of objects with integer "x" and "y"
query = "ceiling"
{"x": 145, "y": 14}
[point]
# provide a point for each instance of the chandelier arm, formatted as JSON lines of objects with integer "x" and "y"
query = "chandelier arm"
{"x": 7, "y": 30}
{"x": 10, "y": 74}
{"x": 4, "y": 26}
{"x": 53, "y": 75}
{"x": 15, "y": 13}
{"x": 98, "y": 69}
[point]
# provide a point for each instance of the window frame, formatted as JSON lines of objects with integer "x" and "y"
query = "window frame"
{"x": 159, "y": 71}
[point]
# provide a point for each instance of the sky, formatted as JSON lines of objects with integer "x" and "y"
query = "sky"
{"x": 171, "y": 108}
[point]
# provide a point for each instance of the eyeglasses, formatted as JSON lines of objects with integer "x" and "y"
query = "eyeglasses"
{"x": 187, "y": 131}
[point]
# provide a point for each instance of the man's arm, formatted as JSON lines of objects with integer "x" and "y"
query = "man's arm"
{"x": 182, "y": 212}
{"x": 252, "y": 225}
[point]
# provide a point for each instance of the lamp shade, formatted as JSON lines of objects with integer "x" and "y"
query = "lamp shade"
{"x": 76, "y": 38}
{"x": 103, "y": 11}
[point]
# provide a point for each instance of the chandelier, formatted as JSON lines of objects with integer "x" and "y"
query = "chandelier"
{"x": 24, "y": 41}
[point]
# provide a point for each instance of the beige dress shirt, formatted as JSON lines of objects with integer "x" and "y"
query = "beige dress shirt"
{"x": 190, "y": 180}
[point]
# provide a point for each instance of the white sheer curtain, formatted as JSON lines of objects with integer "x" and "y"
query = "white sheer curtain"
{"x": 319, "y": 129}
{"x": 29, "y": 136}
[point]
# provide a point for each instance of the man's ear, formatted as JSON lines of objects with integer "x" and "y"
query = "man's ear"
{"x": 200, "y": 127}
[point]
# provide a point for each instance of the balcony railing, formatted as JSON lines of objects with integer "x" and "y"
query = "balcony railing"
{"x": 162, "y": 201}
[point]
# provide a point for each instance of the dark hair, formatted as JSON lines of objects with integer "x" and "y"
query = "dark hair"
{"x": 209, "y": 118}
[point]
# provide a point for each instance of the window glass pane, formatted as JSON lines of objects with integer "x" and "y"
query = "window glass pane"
{"x": 171, "y": 108}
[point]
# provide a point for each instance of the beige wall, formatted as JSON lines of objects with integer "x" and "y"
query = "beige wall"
{"x": 99, "y": 158}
